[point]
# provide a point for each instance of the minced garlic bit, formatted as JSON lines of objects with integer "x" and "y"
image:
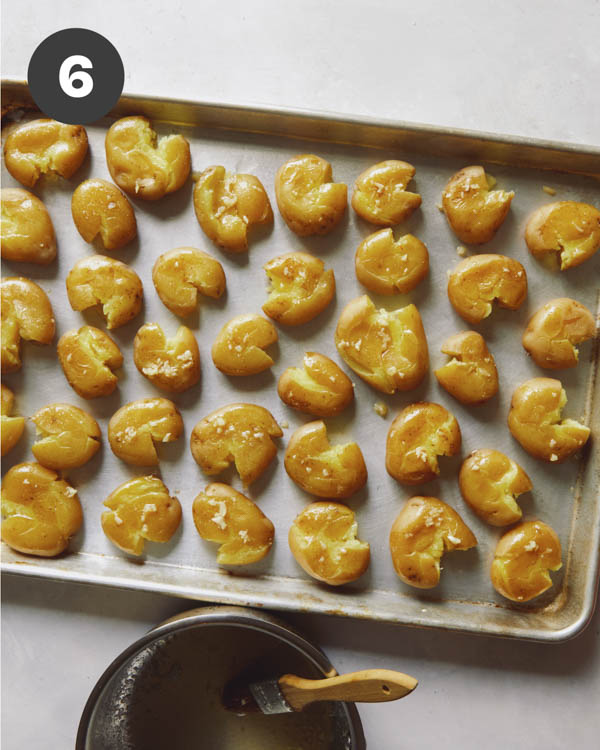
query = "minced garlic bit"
{"x": 380, "y": 408}
{"x": 285, "y": 424}
{"x": 461, "y": 250}
{"x": 439, "y": 207}
{"x": 453, "y": 539}
{"x": 553, "y": 457}
{"x": 530, "y": 546}
{"x": 548, "y": 190}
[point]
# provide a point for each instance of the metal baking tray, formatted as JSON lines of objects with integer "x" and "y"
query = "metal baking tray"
{"x": 258, "y": 140}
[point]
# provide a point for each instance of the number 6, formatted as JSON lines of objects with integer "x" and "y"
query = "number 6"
{"x": 66, "y": 78}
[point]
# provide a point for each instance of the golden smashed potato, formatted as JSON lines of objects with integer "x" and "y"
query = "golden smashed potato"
{"x": 11, "y": 427}
{"x": 27, "y": 230}
{"x": 178, "y": 275}
{"x": 41, "y": 511}
{"x": 380, "y": 195}
{"x": 522, "y": 561}
{"x": 240, "y": 344}
{"x": 424, "y": 529}
{"x": 88, "y": 357}
{"x": 563, "y": 234}
{"x": 233, "y": 521}
{"x": 26, "y": 314}
{"x": 227, "y": 205}
{"x": 490, "y": 482}
{"x": 142, "y": 164}
{"x": 555, "y": 329}
{"x": 319, "y": 387}
{"x": 388, "y": 266}
{"x": 309, "y": 201}
{"x": 300, "y": 288}
{"x": 387, "y": 349}
{"x": 417, "y": 436}
{"x": 324, "y": 470}
{"x": 172, "y": 364}
{"x": 474, "y": 211}
{"x": 238, "y": 433}
{"x": 135, "y": 427}
{"x": 535, "y": 421}
{"x": 471, "y": 375}
{"x": 323, "y": 539}
{"x": 140, "y": 510}
{"x": 44, "y": 147}
{"x": 100, "y": 209}
{"x": 68, "y": 437}
{"x": 480, "y": 280}
{"x": 100, "y": 280}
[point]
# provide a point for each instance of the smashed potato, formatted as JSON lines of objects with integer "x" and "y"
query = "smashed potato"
{"x": 26, "y": 314}
{"x": 100, "y": 209}
{"x": 140, "y": 510}
{"x": 233, "y": 521}
{"x": 522, "y": 561}
{"x": 319, "y": 387}
{"x": 324, "y": 470}
{"x": 323, "y": 539}
{"x": 227, "y": 205}
{"x": 388, "y": 266}
{"x": 563, "y": 234}
{"x": 135, "y": 427}
{"x": 380, "y": 194}
{"x": 68, "y": 437}
{"x": 424, "y": 529}
{"x": 27, "y": 230}
{"x": 11, "y": 427}
{"x": 474, "y": 211}
{"x": 238, "y": 433}
{"x": 480, "y": 280}
{"x": 180, "y": 274}
{"x": 535, "y": 421}
{"x": 417, "y": 436}
{"x": 42, "y": 512}
{"x": 44, "y": 147}
{"x": 172, "y": 364}
{"x": 142, "y": 164}
{"x": 100, "y": 280}
{"x": 555, "y": 329}
{"x": 387, "y": 349}
{"x": 490, "y": 482}
{"x": 471, "y": 375}
{"x": 88, "y": 357}
{"x": 300, "y": 288}
{"x": 240, "y": 344}
{"x": 308, "y": 200}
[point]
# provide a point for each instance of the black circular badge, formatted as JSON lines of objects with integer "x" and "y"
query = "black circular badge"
{"x": 75, "y": 76}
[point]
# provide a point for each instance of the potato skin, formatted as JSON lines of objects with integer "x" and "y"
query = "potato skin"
{"x": 30, "y": 150}
{"x": 143, "y": 165}
{"x": 323, "y": 541}
{"x": 322, "y": 469}
{"x": 319, "y": 387}
{"x": 417, "y": 436}
{"x": 522, "y": 559}
{"x": 423, "y": 530}
{"x": 553, "y": 331}
{"x": 27, "y": 230}
{"x": 388, "y": 266}
{"x": 42, "y": 512}
{"x": 474, "y": 212}
{"x": 563, "y": 234}
{"x": 99, "y": 208}
{"x": 380, "y": 196}
{"x": 238, "y": 525}
{"x": 308, "y": 200}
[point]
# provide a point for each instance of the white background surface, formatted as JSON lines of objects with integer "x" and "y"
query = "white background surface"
{"x": 523, "y": 68}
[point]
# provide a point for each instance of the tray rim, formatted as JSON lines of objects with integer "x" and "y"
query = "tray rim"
{"x": 42, "y": 568}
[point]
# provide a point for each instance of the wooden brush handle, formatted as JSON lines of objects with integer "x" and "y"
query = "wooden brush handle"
{"x": 366, "y": 686}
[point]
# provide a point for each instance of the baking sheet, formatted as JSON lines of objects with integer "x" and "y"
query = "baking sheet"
{"x": 565, "y": 496}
